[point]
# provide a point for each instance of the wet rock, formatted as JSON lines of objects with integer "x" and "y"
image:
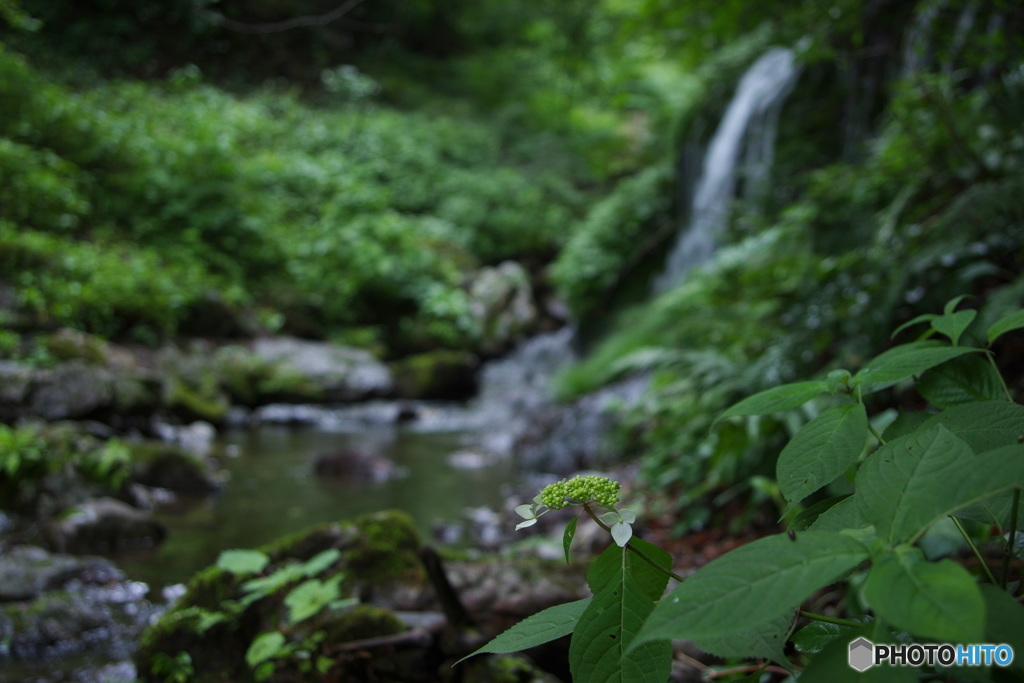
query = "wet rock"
{"x": 444, "y": 374}
{"x": 55, "y": 606}
{"x": 339, "y": 373}
{"x": 501, "y": 300}
{"x": 196, "y": 437}
{"x": 355, "y": 465}
{"x": 15, "y": 380}
{"x": 103, "y": 525}
{"x": 167, "y": 466}
{"x": 71, "y": 390}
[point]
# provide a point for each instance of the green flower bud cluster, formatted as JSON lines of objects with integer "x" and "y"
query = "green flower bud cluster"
{"x": 580, "y": 489}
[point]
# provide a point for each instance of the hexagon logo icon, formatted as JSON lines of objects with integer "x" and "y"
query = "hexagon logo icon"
{"x": 862, "y": 654}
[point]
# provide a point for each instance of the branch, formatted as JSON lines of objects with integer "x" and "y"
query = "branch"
{"x": 285, "y": 25}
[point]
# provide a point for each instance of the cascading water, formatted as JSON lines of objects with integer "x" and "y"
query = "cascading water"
{"x": 759, "y": 97}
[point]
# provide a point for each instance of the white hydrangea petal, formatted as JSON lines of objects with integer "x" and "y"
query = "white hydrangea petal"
{"x": 628, "y": 516}
{"x": 621, "y": 533}
{"x": 527, "y": 511}
{"x": 523, "y": 525}
{"x": 610, "y": 517}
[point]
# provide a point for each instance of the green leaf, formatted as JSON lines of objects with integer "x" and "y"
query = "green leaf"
{"x": 600, "y": 645}
{"x": 606, "y": 568}
{"x": 776, "y": 399}
{"x": 938, "y": 600}
{"x": 1004, "y": 621}
{"x": 983, "y": 425}
{"x": 843, "y": 515}
{"x": 320, "y": 562}
{"x": 242, "y": 561}
{"x": 924, "y": 317}
{"x": 309, "y": 597}
{"x": 953, "y": 324}
{"x": 822, "y": 451}
{"x": 1010, "y": 321}
{"x": 831, "y": 665}
{"x": 912, "y": 481}
{"x": 570, "y": 532}
{"x": 752, "y": 584}
{"x": 816, "y": 636}
{"x": 905, "y": 361}
{"x": 264, "y": 647}
{"x": 542, "y": 627}
{"x": 766, "y": 640}
{"x": 962, "y": 380}
{"x": 953, "y": 303}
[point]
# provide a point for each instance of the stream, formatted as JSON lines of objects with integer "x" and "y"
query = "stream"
{"x": 272, "y": 491}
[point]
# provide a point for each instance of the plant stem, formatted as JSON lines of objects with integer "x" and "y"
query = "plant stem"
{"x": 992, "y": 362}
{"x": 641, "y": 554}
{"x": 1011, "y": 542}
{"x": 830, "y": 620}
{"x": 974, "y": 548}
{"x": 874, "y": 433}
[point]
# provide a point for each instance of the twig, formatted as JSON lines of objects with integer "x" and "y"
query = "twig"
{"x": 285, "y": 25}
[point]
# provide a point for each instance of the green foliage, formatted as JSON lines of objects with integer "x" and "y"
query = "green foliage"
{"x": 963, "y": 463}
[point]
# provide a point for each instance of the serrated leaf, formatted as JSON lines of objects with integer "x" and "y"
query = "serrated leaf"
{"x": 242, "y": 561}
{"x": 962, "y": 380}
{"x": 938, "y": 600}
{"x": 570, "y": 532}
{"x": 953, "y": 324}
{"x": 264, "y": 647}
{"x": 651, "y": 581}
{"x": 766, "y": 640}
{"x": 905, "y": 361}
{"x": 983, "y": 425}
{"x": 776, "y": 399}
{"x": 542, "y": 627}
{"x": 822, "y": 450}
{"x": 754, "y": 583}
{"x": 1011, "y": 321}
{"x": 600, "y": 646}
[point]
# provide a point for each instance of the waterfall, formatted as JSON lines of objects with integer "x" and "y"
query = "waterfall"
{"x": 758, "y": 100}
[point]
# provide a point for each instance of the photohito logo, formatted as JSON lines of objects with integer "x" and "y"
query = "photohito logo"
{"x": 864, "y": 654}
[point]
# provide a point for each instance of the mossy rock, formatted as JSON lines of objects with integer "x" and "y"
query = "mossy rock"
{"x": 438, "y": 374}
{"x": 510, "y": 668}
{"x": 169, "y": 467}
{"x": 67, "y": 344}
{"x": 196, "y": 402}
{"x": 376, "y": 549}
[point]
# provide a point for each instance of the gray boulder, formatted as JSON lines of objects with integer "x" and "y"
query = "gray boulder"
{"x": 341, "y": 373}
{"x": 103, "y": 525}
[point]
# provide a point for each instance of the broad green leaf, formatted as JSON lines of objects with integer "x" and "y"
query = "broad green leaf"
{"x": 924, "y": 317}
{"x": 831, "y": 665}
{"x": 309, "y": 597}
{"x": 242, "y": 561}
{"x": 752, "y": 584}
{"x": 843, "y": 515}
{"x": 954, "y": 302}
{"x": 912, "y": 481}
{"x": 962, "y": 380}
{"x": 542, "y": 627}
{"x": 809, "y": 515}
{"x": 600, "y": 645}
{"x": 816, "y": 636}
{"x": 953, "y": 324}
{"x": 988, "y": 493}
{"x": 826, "y": 447}
{"x": 265, "y": 646}
{"x": 937, "y": 600}
{"x": 904, "y": 361}
{"x": 983, "y": 425}
{"x": 320, "y": 562}
{"x": 606, "y": 568}
{"x": 1010, "y": 321}
{"x": 776, "y": 399}
{"x": 1004, "y": 621}
{"x": 570, "y": 532}
{"x": 905, "y": 423}
{"x": 766, "y": 640}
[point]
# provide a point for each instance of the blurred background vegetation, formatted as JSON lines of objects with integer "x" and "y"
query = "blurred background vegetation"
{"x": 343, "y": 178}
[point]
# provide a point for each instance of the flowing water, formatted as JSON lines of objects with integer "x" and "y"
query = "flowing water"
{"x": 754, "y": 107}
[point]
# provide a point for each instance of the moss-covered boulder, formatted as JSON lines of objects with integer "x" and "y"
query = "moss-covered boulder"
{"x": 290, "y": 606}
{"x": 167, "y": 466}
